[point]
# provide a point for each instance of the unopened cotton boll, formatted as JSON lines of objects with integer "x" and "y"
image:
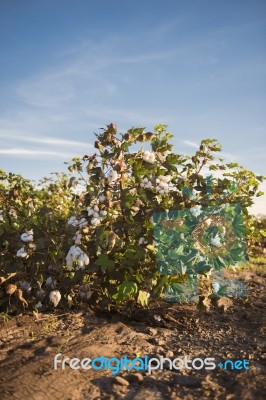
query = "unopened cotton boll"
{"x": 22, "y": 253}
{"x": 55, "y": 297}
{"x": 27, "y": 236}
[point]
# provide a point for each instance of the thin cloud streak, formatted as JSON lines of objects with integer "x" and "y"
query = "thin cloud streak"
{"x": 34, "y": 153}
{"x": 48, "y": 140}
{"x": 190, "y": 144}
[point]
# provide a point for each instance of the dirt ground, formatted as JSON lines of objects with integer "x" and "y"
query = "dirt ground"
{"x": 235, "y": 330}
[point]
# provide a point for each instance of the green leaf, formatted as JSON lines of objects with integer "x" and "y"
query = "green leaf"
{"x": 125, "y": 290}
{"x": 263, "y": 233}
{"x": 104, "y": 262}
{"x": 143, "y": 298}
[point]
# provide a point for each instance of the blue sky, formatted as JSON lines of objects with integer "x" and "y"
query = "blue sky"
{"x": 70, "y": 67}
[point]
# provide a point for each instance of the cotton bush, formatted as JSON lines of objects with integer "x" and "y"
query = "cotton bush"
{"x": 89, "y": 237}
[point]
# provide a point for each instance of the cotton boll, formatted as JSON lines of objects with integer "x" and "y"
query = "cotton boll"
{"x": 90, "y": 211}
{"x": 103, "y": 213}
{"x": 196, "y": 211}
{"x": 141, "y": 240}
{"x": 83, "y": 222}
{"x": 148, "y": 156}
{"x": 27, "y": 236}
{"x": 151, "y": 158}
{"x": 216, "y": 241}
{"x": 83, "y": 261}
{"x": 22, "y": 253}
{"x": 55, "y": 297}
{"x": 73, "y": 253}
{"x": 215, "y": 287}
{"x": 73, "y": 221}
{"x": 95, "y": 221}
{"x": 112, "y": 176}
{"x": 69, "y": 262}
{"x": 1, "y": 216}
{"x": 101, "y": 198}
{"x": 77, "y": 238}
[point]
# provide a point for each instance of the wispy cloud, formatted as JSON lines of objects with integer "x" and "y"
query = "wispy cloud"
{"x": 190, "y": 143}
{"x": 34, "y": 153}
{"x": 44, "y": 140}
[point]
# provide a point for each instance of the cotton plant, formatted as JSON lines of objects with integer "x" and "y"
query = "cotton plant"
{"x": 125, "y": 187}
